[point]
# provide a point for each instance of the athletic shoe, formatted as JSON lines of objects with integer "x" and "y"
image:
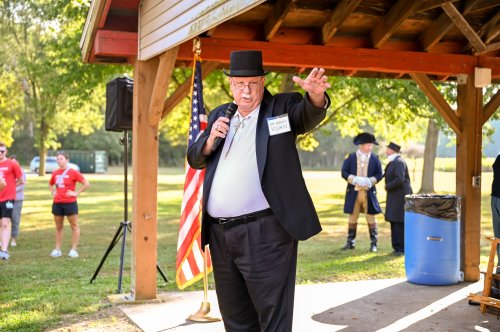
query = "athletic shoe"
{"x": 13, "y": 243}
{"x": 73, "y": 253}
{"x": 56, "y": 253}
{"x": 4, "y": 255}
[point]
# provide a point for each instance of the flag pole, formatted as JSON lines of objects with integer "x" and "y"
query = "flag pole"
{"x": 202, "y": 315}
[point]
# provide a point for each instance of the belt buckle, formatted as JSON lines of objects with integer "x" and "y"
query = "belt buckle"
{"x": 223, "y": 221}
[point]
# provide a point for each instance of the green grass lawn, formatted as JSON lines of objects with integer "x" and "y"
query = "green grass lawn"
{"x": 39, "y": 293}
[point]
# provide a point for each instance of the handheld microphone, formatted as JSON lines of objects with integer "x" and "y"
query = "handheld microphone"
{"x": 230, "y": 111}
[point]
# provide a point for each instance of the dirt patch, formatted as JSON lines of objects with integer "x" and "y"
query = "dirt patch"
{"x": 110, "y": 319}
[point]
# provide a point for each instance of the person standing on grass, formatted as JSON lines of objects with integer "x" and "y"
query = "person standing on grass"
{"x": 62, "y": 185}
{"x": 255, "y": 202}
{"x": 397, "y": 186}
{"x": 18, "y": 206}
{"x": 362, "y": 170}
{"x": 10, "y": 173}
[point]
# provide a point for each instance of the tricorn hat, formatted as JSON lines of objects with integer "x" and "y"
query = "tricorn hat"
{"x": 245, "y": 64}
{"x": 394, "y": 147}
{"x": 364, "y": 138}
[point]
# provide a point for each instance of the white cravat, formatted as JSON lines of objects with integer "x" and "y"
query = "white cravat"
{"x": 236, "y": 188}
{"x": 392, "y": 157}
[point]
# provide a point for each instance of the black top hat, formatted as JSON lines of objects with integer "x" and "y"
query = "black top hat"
{"x": 394, "y": 147}
{"x": 245, "y": 64}
{"x": 364, "y": 138}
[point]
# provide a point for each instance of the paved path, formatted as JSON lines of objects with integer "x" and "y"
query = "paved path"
{"x": 373, "y": 305}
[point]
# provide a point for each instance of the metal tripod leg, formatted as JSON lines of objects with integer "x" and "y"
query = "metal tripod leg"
{"x": 116, "y": 238}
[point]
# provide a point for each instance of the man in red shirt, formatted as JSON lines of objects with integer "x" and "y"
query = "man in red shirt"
{"x": 10, "y": 173}
{"x": 62, "y": 185}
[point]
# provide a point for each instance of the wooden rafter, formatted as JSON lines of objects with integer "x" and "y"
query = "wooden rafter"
{"x": 433, "y": 34}
{"x": 276, "y": 17}
{"x": 426, "y": 5}
{"x": 392, "y": 20}
{"x": 491, "y": 29}
{"x": 491, "y": 107}
{"x": 438, "y": 101}
{"x": 163, "y": 75}
{"x": 339, "y": 15}
{"x": 183, "y": 90}
{"x": 464, "y": 27}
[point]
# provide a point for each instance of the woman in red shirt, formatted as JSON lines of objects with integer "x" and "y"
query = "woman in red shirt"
{"x": 62, "y": 185}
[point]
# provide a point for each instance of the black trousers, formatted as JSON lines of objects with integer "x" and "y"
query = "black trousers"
{"x": 398, "y": 236}
{"x": 254, "y": 268}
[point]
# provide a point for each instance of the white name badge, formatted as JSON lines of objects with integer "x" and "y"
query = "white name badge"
{"x": 278, "y": 125}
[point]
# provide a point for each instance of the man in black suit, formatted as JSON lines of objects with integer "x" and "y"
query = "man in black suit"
{"x": 397, "y": 185}
{"x": 255, "y": 202}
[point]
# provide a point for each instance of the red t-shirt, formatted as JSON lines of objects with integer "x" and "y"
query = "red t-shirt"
{"x": 68, "y": 183}
{"x": 10, "y": 171}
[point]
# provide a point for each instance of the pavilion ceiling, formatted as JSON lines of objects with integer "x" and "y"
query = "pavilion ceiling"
{"x": 446, "y": 33}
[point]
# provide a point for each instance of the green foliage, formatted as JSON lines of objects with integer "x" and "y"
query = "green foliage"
{"x": 40, "y": 48}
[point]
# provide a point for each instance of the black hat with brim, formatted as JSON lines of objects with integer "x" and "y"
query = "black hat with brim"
{"x": 364, "y": 138}
{"x": 394, "y": 147}
{"x": 245, "y": 64}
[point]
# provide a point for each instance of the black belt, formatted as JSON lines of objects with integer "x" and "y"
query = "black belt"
{"x": 235, "y": 221}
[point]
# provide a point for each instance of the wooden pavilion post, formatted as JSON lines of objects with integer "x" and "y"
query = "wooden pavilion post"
{"x": 468, "y": 172}
{"x": 151, "y": 79}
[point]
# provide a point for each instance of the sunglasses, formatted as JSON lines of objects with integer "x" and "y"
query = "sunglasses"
{"x": 3, "y": 151}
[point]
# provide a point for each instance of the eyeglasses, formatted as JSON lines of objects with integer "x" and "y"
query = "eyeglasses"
{"x": 242, "y": 85}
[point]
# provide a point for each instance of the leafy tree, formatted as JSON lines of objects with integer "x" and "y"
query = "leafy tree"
{"x": 40, "y": 49}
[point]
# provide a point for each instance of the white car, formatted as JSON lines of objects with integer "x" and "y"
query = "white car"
{"x": 50, "y": 165}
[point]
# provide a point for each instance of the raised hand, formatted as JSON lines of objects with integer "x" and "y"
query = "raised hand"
{"x": 315, "y": 83}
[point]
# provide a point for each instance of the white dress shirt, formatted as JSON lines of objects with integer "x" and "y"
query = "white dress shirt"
{"x": 236, "y": 188}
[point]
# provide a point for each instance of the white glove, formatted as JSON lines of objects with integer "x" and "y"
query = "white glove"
{"x": 365, "y": 182}
{"x": 356, "y": 180}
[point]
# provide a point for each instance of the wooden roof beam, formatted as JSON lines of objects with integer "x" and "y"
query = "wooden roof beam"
{"x": 491, "y": 107}
{"x": 491, "y": 29}
{"x": 392, "y": 20}
{"x": 439, "y": 27}
{"x": 115, "y": 43}
{"x": 438, "y": 101}
{"x": 277, "y": 16}
{"x": 343, "y": 9}
{"x": 426, "y": 5}
{"x": 464, "y": 27}
{"x": 335, "y": 58}
{"x": 183, "y": 90}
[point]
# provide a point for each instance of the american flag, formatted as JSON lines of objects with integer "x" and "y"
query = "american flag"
{"x": 190, "y": 263}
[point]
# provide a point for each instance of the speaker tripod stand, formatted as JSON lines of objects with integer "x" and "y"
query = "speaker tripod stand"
{"x": 125, "y": 225}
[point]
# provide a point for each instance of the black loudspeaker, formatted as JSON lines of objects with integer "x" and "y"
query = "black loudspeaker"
{"x": 119, "y": 101}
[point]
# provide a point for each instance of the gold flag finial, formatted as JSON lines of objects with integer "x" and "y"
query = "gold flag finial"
{"x": 197, "y": 46}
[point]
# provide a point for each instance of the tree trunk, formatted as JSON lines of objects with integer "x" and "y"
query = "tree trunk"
{"x": 431, "y": 143}
{"x": 287, "y": 84}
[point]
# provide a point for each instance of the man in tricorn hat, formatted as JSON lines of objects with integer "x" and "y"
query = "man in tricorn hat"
{"x": 397, "y": 185}
{"x": 255, "y": 202}
{"x": 362, "y": 170}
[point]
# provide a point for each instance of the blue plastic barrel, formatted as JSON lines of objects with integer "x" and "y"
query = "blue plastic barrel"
{"x": 432, "y": 239}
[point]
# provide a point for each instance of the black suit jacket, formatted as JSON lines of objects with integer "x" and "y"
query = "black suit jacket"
{"x": 397, "y": 185}
{"x": 277, "y": 160}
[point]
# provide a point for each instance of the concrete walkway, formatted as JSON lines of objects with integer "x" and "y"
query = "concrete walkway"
{"x": 372, "y": 305}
